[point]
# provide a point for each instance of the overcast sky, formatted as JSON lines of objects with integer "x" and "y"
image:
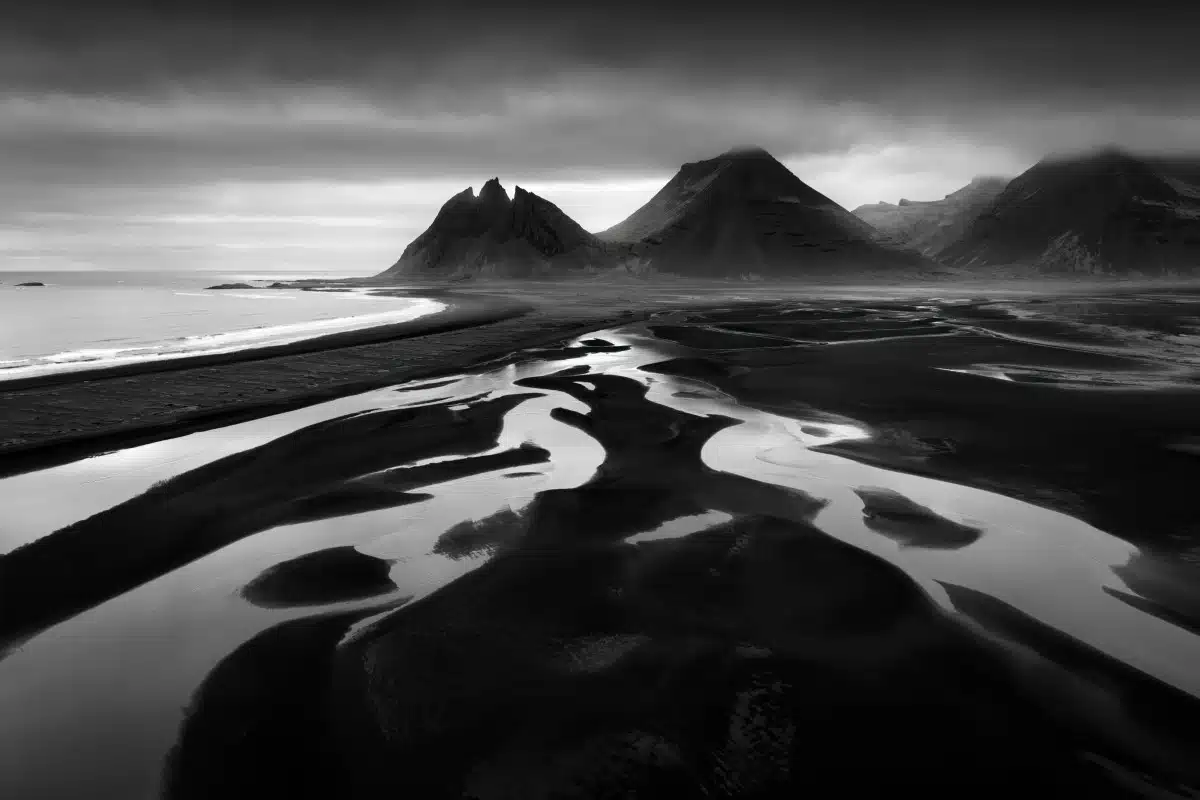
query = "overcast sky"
{"x": 294, "y": 135}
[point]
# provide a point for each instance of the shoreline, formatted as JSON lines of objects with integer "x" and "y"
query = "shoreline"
{"x": 589, "y": 588}
{"x": 458, "y": 312}
{"x": 59, "y": 419}
{"x": 54, "y": 419}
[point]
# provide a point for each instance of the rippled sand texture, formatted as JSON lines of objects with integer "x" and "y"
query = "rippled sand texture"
{"x": 796, "y": 547}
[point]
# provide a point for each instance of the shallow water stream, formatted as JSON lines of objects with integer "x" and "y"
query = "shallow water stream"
{"x": 91, "y": 706}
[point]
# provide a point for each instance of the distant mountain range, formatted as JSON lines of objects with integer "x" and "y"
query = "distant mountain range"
{"x": 493, "y": 234}
{"x": 1102, "y": 212}
{"x": 741, "y": 214}
{"x": 930, "y": 226}
{"x": 744, "y": 214}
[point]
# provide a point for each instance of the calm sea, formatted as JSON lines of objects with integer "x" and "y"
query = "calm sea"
{"x": 82, "y": 320}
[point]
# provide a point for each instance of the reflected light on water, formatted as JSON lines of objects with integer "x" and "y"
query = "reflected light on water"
{"x": 1046, "y": 564}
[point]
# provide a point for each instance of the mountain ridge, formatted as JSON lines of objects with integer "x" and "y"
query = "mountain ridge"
{"x": 744, "y": 212}
{"x": 1106, "y": 211}
{"x": 930, "y": 225}
{"x": 491, "y": 233}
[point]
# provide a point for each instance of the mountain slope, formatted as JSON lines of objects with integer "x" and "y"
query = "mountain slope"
{"x": 1106, "y": 211}
{"x": 930, "y": 225}
{"x": 493, "y": 234}
{"x": 743, "y": 212}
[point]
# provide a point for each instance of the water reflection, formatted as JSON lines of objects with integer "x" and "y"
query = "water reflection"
{"x": 1162, "y": 584}
{"x": 622, "y": 454}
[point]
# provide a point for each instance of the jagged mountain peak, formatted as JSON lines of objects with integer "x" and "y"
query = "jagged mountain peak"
{"x": 520, "y": 235}
{"x": 741, "y": 212}
{"x": 492, "y": 191}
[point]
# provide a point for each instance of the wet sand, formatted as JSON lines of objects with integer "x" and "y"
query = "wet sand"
{"x": 333, "y": 575}
{"x": 56, "y": 419}
{"x": 754, "y": 658}
{"x": 275, "y": 688}
{"x": 685, "y": 583}
{"x": 343, "y": 466}
{"x": 1094, "y": 444}
{"x": 463, "y": 313}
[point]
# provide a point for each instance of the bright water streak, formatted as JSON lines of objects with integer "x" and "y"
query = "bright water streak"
{"x": 120, "y": 674}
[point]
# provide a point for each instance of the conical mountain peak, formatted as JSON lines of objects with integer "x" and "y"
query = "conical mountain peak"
{"x": 1101, "y": 210}
{"x": 745, "y": 212}
{"x": 493, "y": 193}
{"x": 1105, "y": 153}
{"x": 738, "y": 213}
{"x": 746, "y": 151}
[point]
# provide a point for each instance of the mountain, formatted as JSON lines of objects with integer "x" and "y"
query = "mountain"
{"x": 743, "y": 213}
{"x": 493, "y": 234}
{"x": 930, "y": 225}
{"x": 1102, "y": 212}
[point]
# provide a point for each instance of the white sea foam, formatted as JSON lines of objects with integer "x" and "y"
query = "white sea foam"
{"x": 212, "y": 344}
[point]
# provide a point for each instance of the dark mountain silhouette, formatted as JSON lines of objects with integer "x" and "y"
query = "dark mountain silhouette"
{"x": 742, "y": 213}
{"x": 492, "y": 234}
{"x": 928, "y": 226}
{"x": 1102, "y": 212}
{"x": 739, "y": 214}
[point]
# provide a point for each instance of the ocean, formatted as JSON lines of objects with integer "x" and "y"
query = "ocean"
{"x": 89, "y": 319}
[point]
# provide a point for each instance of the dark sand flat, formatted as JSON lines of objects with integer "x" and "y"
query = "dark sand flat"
{"x": 755, "y": 658}
{"x": 460, "y": 313}
{"x": 575, "y": 651}
{"x": 912, "y": 525}
{"x": 52, "y": 420}
{"x": 1152, "y": 720}
{"x": 1162, "y": 583}
{"x": 334, "y": 468}
{"x": 1089, "y": 453}
{"x": 260, "y": 725}
{"x": 333, "y": 575}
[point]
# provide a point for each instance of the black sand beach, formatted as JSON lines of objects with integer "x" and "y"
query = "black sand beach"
{"x": 53, "y": 419}
{"x": 56, "y": 418}
{"x": 664, "y": 626}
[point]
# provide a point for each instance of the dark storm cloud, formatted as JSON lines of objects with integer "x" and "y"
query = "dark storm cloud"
{"x": 846, "y": 47}
{"x": 136, "y": 104}
{"x": 612, "y": 86}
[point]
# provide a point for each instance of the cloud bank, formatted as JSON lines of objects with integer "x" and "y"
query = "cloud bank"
{"x": 172, "y": 134}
